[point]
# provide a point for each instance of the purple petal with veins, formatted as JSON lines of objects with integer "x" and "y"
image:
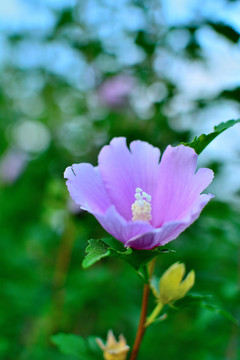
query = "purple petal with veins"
{"x": 141, "y": 201}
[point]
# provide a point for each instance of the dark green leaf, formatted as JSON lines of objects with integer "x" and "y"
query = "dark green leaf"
{"x": 228, "y": 31}
{"x": 138, "y": 258}
{"x": 96, "y": 250}
{"x": 200, "y": 142}
{"x": 191, "y": 300}
{"x": 231, "y": 93}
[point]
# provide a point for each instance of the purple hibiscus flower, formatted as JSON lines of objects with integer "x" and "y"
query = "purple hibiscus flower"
{"x": 140, "y": 201}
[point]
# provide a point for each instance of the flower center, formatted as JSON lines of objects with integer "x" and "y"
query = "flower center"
{"x": 141, "y": 208}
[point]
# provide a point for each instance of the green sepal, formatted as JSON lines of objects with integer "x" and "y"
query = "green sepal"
{"x": 136, "y": 258}
{"x": 159, "y": 319}
{"x": 200, "y": 142}
{"x": 77, "y": 347}
{"x": 98, "y": 249}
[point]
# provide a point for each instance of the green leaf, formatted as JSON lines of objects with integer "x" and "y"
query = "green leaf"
{"x": 76, "y": 346}
{"x": 200, "y": 142}
{"x": 191, "y": 300}
{"x": 219, "y": 311}
{"x": 96, "y": 250}
{"x": 228, "y": 31}
{"x": 195, "y": 300}
{"x": 139, "y": 258}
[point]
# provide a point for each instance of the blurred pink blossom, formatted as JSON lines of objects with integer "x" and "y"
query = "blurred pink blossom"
{"x": 12, "y": 164}
{"x": 114, "y": 91}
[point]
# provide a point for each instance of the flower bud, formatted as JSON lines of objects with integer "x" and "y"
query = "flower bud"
{"x": 171, "y": 286}
{"x": 114, "y": 350}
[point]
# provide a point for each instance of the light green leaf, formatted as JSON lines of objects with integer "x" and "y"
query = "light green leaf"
{"x": 70, "y": 344}
{"x": 96, "y": 250}
{"x": 76, "y": 346}
{"x": 200, "y": 142}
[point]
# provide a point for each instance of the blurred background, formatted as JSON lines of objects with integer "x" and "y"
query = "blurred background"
{"x": 74, "y": 74}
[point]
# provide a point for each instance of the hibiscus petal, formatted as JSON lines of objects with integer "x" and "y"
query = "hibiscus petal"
{"x": 123, "y": 171}
{"x": 146, "y": 165}
{"x": 119, "y": 228}
{"x": 170, "y": 230}
{"x": 86, "y": 187}
{"x": 178, "y": 186}
{"x": 202, "y": 179}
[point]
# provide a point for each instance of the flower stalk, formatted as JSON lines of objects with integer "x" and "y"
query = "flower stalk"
{"x": 143, "y": 316}
{"x": 141, "y": 327}
{"x": 154, "y": 314}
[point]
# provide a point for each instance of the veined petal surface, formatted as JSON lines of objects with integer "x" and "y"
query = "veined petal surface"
{"x": 124, "y": 170}
{"x": 86, "y": 187}
{"x": 108, "y": 191}
{"x": 178, "y": 187}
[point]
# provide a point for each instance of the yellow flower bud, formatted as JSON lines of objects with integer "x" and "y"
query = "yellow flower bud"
{"x": 171, "y": 286}
{"x": 114, "y": 350}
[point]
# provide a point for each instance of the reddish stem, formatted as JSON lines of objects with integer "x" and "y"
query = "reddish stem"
{"x": 143, "y": 317}
{"x": 141, "y": 326}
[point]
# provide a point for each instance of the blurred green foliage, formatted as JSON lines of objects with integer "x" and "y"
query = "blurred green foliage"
{"x": 55, "y": 112}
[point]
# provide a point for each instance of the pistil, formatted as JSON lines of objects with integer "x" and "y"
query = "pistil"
{"x": 141, "y": 208}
